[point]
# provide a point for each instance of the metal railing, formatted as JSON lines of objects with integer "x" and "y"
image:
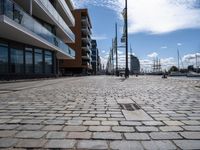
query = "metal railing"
{"x": 57, "y": 17}
{"x": 17, "y": 14}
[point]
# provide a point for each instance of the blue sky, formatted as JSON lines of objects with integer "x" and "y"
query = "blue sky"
{"x": 156, "y": 28}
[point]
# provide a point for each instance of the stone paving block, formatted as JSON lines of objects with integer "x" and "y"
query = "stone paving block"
{"x": 30, "y": 127}
{"x": 53, "y": 128}
{"x": 75, "y": 128}
{"x": 7, "y": 133}
{"x": 191, "y": 135}
{"x": 109, "y": 123}
{"x": 92, "y": 144}
{"x": 7, "y": 142}
{"x": 31, "y": 143}
{"x": 58, "y": 144}
{"x": 8, "y": 127}
{"x": 146, "y": 128}
{"x": 153, "y": 123}
{"x": 31, "y": 121}
{"x": 136, "y": 136}
{"x": 130, "y": 123}
{"x": 79, "y": 135}
{"x": 4, "y": 121}
{"x": 12, "y": 121}
{"x": 191, "y": 128}
{"x": 123, "y": 129}
{"x": 165, "y": 135}
{"x": 171, "y": 128}
{"x": 107, "y": 135}
{"x": 74, "y": 122}
{"x": 188, "y": 144}
{"x": 173, "y": 123}
{"x": 91, "y": 123}
{"x": 158, "y": 145}
{"x": 56, "y": 135}
{"x": 99, "y": 128}
{"x": 191, "y": 122}
{"x": 54, "y": 122}
{"x": 126, "y": 145}
{"x": 31, "y": 134}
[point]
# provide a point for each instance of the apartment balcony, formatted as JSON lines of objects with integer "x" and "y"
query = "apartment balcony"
{"x": 65, "y": 12}
{"x": 85, "y": 21}
{"x": 86, "y": 39}
{"x": 86, "y": 48}
{"x": 86, "y": 30}
{"x": 86, "y": 56}
{"x": 86, "y": 64}
{"x": 46, "y": 11}
{"x": 17, "y": 25}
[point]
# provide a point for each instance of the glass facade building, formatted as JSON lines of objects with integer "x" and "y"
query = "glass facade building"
{"x": 21, "y": 60}
{"x": 33, "y": 38}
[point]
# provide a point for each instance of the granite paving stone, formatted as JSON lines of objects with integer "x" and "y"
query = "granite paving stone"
{"x": 188, "y": 144}
{"x": 126, "y": 145}
{"x": 165, "y": 135}
{"x": 107, "y": 135}
{"x": 31, "y": 143}
{"x": 30, "y": 134}
{"x": 7, "y": 142}
{"x": 92, "y": 144}
{"x": 136, "y": 136}
{"x": 84, "y": 113}
{"x": 58, "y": 144}
{"x": 159, "y": 145}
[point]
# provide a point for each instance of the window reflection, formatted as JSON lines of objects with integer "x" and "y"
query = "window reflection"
{"x": 48, "y": 62}
{"x": 38, "y": 61}
{"x": 3, "y": 58}
{"x": 29, "y": 60}
{"x": 17, "y": 61}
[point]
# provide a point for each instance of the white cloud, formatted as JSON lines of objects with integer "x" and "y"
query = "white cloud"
{"x": 154, "y": 16}
{"x": 179, "y": 44}
{"x": 99, "y": 37}
{"x": 190, "y": 59}
{"x": 153, "y": 55}
{"x": 164, "y": 47}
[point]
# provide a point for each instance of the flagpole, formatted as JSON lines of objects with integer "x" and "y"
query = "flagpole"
{"x": 126, "y": 31}
{"x": 116, "y": 50}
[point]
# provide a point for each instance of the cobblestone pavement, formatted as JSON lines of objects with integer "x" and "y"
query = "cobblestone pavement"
{"x": 85, "y": 113}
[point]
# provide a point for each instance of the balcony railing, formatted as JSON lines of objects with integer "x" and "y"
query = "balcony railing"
{"x": 68, "y": 12}
{"x": 17, "y": 14}
{"x": 56, "y": 15}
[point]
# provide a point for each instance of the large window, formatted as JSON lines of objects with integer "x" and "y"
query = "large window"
{"x": 38, "y": 61}
{"x": 3, "y": 58}
{"x": 1, "y": 7}
{"x": 48, "y": 62}
{"x": 17, "y": 61}
{"x": 29, "y": 60}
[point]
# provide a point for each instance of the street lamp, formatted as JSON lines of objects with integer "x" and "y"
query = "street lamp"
{"x": 125, "y": 36}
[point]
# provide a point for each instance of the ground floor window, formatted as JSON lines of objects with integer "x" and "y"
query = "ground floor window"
{"x": 17, "y": 60}
{"x": 3, "y": 58}
{"x": 38, "y": 61}
{"x": 48, "y": 62}
{"x": 29, "y": 60}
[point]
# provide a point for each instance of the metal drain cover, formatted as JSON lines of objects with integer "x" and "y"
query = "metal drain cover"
{"x": 129, "y": 107}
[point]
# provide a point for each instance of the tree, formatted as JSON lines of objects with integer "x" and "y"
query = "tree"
{"x": 173, "y": 69}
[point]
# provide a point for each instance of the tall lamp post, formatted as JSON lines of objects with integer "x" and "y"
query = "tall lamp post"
{"x": 125, "y": 15}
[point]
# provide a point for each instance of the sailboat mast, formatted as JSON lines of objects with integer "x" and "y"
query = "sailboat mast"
{"x": 178, "y": 59}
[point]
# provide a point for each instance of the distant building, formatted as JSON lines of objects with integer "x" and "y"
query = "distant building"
{"x": 82, "y": 46}
{"x": 96, "y": 61}
{"x": 134, "y": 65}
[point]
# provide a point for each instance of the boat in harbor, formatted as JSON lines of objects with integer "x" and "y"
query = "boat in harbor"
{"x": 193, "y": 74}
